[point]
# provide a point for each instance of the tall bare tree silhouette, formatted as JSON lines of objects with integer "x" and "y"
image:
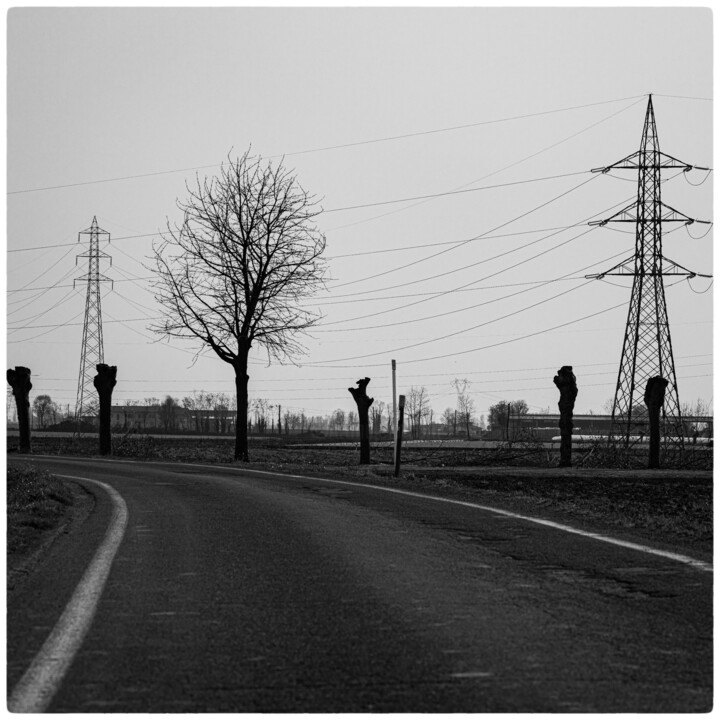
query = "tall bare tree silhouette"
{"x": 234, "y": 272}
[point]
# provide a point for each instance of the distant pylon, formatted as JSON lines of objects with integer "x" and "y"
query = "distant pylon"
{"x": 92, "y": 343}
{"x": 647, "y": 347}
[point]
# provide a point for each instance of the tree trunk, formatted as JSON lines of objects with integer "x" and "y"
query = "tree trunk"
{"x": 19, "y": 380}
{"x": 104, "y": 383}
{"x": 654, "y": 398}
{"x": 241, "y": 424}
{"x": 565, "y": 383}
{"x": 363, "y": 403}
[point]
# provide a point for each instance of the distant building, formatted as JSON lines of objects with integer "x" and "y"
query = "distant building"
{"x": 158, "y": 418}
{"x": 544, "y": 426}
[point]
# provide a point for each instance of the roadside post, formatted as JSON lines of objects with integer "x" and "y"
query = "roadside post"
{"x": 394, "y": 417}
{"x": 399, "y": 431}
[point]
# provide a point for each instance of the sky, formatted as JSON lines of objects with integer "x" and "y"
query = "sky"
{"x": 499, "y": 113}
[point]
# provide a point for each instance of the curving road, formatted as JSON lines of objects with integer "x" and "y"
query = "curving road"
{"x": 236, "y": 591}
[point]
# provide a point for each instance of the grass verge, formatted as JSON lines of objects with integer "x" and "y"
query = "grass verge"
{"x": 36, "y": 504}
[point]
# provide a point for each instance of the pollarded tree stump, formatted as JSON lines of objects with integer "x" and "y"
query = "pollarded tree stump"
{"x": 565, "y": 383}
{"x": 363, "y": 403}
{"x": 104, "y": 383}
{"x": 19, "y": 380}
{"x": 654, "y": 399}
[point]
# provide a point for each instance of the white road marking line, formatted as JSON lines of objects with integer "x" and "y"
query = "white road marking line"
{"x": 42, "y": 679}
{"x": 693, "y": 562}
{"x": 697, "y": 564}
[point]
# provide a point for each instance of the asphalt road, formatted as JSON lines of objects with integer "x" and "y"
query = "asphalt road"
{"x": 235, "y": 591}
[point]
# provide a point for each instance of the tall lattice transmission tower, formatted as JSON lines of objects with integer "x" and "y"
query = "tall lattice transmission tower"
{"x": 92, "y": 343}
{"x": 647, "y": 347}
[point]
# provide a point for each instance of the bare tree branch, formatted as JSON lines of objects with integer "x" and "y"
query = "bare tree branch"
{"x": 233, "y": 272}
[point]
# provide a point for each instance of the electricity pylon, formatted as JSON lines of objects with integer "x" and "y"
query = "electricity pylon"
{"x": 647, "y": 347}
{"x": 92, "y": 342}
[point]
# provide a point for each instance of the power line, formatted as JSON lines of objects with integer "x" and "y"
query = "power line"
{"x": 57, "y": 287}
{"x": 465, "y": 242}
{"x": 69, "y": 324}
{"x": 535, "y": 284}
{"x": 454, "y": 192}
{"x": 465, "y": 352}
{"x": 329, "y": 147}
{"x": 460, "y": 243}
{"x": 403, "y": 248}
{"x": 438, "y": 293}
{"x": 47, "y": 310}
{"x": 472, "y": 282}
{"x": 467, "y": 285}
{"x": 461, "y": 332}
{"x": 503, "y": 371}
{"x": 341, "y": 209}
{"x": 44, "y": 247}
{"x": 506, "y": 167}
{"x": 682, "y": 97}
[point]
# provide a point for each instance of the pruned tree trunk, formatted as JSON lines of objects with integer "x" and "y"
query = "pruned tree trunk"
{"x": 654, "y": 398}
{"x": 565, "y": 382}
{"x": 104, "y": 383}
{"x": 19, "y": 380}
{"x": 241, "y": 424}
{"x": 363, "y": 403}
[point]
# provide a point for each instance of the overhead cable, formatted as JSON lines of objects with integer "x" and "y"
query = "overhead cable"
{"x": 328, "y": 147}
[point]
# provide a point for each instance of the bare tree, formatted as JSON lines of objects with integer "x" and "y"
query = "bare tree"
{"x": 261, "y": 410}
{"x": 43, "y": 409}
{"x": 169, "y": 413}
{"x": 10, "y": 407}
{"x": 189, "y": 402}
{"x": 221, "y": 410}
{"x": 465, "y": 403}
{"x": 376, "y": 416}
{"x": 235, "y": 271}
{"x": 449, "y": 417}
{"x": 151, "y": 407}
{"x": 126, "y": 410}
{"x": 501, "y": 414}
{"x": 699, "y": 408}
{"x": 417, "y": 407}
{"x": 338, "y": 419}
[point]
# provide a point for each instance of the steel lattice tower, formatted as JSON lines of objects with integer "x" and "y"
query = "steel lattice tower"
{"x": 92, "y": 342}
{"x": 647, "y": 347}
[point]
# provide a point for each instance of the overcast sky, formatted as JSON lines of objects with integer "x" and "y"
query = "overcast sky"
{"x": 111, "y": 111}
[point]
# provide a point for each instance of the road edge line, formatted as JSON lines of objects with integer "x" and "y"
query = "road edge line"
{"x": 685, "y": 559}
{"x": 40, "y": 682}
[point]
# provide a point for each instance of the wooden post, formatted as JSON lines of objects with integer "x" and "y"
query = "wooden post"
{"x": 363, "y": 403}
{"x": 104, "y": 383}
{"x": 654, "y": 398}
{"x": 19, "y": 380}
{"x": 394, "y": 417}
{"x": 565, "y": 383}
{"x": 398, "y": 443}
